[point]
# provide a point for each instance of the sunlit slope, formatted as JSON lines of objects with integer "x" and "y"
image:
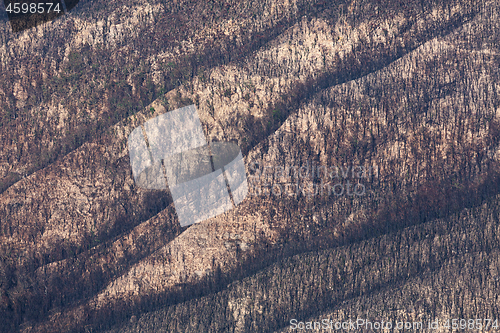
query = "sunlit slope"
{"x": 410, "y": 92}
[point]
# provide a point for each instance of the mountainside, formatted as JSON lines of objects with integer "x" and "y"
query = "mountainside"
{"x": 444, "y": 269}
{"x": 370, "y": 132}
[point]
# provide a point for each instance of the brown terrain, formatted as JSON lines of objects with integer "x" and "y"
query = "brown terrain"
{"x": 402, "y": 97}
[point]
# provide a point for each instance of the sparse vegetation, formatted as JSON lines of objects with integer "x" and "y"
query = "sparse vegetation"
{"x": 411, "y": 88}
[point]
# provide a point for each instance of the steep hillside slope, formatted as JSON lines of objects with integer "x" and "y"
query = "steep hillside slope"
{"x": 402, "y": 276}
{"x": 401, "y": 99}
